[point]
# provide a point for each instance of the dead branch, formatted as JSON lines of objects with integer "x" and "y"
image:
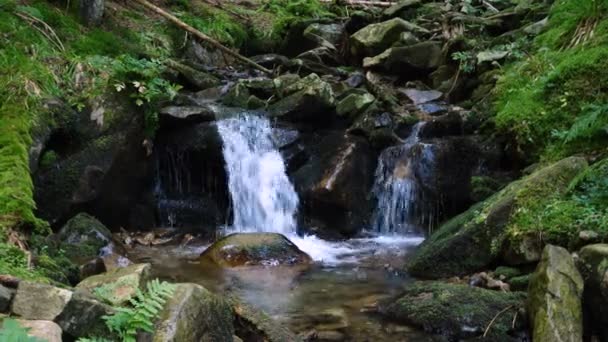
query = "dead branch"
{"x": 496, "y": 317}
{"x": 203, "y": 37}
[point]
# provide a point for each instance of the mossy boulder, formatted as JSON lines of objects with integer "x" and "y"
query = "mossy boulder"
{"x": 593, "y": 265}
{"x": 555, "y": 298}
{"x": 83, "y": 316}
{"x": 354, "y": 104}
{"x": 194, "y": 314}
{"x": 485, "y": 233}
{"x": 118, "y": 286}
{"x": 375, "y": 38}
{"x": 417, "y": 58}
{"x": 457, "y": 311}
{"x": 255, "y": 249}
{"x": 39, "y": 301}
{"x": 310, "y": 99}
{"x": 83, "y": 236}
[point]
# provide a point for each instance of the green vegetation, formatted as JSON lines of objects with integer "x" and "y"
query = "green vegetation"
{"x": 13, "y": 332}
{"x": 553, "y": 102}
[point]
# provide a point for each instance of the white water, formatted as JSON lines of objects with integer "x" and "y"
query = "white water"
{"x": 264, "y": 200}
{"x": 396, "y": 188}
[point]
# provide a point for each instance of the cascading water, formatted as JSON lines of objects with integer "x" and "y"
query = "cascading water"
{"x": 397, "y": 188}
{"x": 263, "y": 198}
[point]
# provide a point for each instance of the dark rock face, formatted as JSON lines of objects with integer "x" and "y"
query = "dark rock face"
{"x": 458, "y": 312}
{"x": 555, "y": 298}
{"x": 593, "y": 265}
{"x": 91, "y": 11}
{"x": 82, "y": 316}
{"x": 335, "y": 183}
{"x": 255, "y": 249}
{"x": 6, "y": 296}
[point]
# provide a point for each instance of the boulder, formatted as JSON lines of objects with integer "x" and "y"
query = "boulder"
{"x": 189, "y": 113}
{"x": 197, "y": 78}
{"x": 334, "y": 184}
{"x": 83, "y": 236}
{"x": 6, "y": 297}
{"x": 39, "y": 301}
{"x": 91, "y": 11}
{"x": 194, "y": 314}
{"x": 555, "y": 298}
{"x": 255, "y": 325}
{"x": 593, "y": 265}
{"x": 354, "y": 104}
{"x": 400, "y": 7}
{"x": 408, "y": 60}
{"x": 375, "y": 38}
{"x": 458, "y": 312}
{"x": 255, "y": 249}
{"x": 83, "y": 316}
{"x": 309, "y": 100}
{"x": 331, "y": 33}
{"x": 118, "y": 286}
{"x": 474, "y": 240}
{"x": 41, "y": 330}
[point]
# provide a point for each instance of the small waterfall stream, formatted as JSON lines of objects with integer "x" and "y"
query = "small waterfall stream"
{"x": 263, "y": 198}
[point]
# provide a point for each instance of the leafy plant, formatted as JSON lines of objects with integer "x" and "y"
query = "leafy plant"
{"x": 126, "y": 322}
{"x": 13, "y": 332}
{"x": 466, "y": 60}
{"x": 592, "y": 122}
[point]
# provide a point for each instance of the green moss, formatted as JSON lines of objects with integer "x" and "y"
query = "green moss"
{"x": 507, "y": 272}
{"x": 520, "y": 283}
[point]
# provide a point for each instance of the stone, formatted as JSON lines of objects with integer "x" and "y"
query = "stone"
{"x": 525, "y": 250}
{"x": 41, "y": 329}
{"x": 401, "y": 6}
{"x": 194, "y": 314}
{"x": 555, "y": 298}
{"x": 189, "y": 113}
{"x": 6, "y": 297}
{"x": 270, "y": 60}
{"x": 418, "y": 96}
{"x": 457, "y": 312}
{"x": 39, "y": 301}
{"x": 83, "y": 316}
{"x": 473, "y": 240}
{"x": 332, "y": 33}
{"x": 491, "y": 56}
{"x": 91, "y": 11}
{"x": 506, "y": 273}
{"x": 310, "y": 100}
{"x": 255, "y": 325}
{"x": 197, "y": 78}
{"x": 83, "y": 236}
{"x": 593, "y": 265}
{"x": 375, "y": 38}
{"x": 118, "y": 286}
{"x": 354, "y": 104}
{"x": 417, "y": 58}
{"x": 255, "y": 249}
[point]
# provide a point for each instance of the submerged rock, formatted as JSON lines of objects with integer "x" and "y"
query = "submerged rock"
{"x": 555, "y": 295}
{"x": 194, "y": 314}
{"x": 118, "y": 286}
{"x": 256, "y": 325}
{"x": 593, "y": 265}
{"x": 474, "y": 240}
{"x": 458, "y": 311}
{"x": 255, "y": 249}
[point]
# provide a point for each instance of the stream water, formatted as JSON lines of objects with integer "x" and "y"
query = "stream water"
{"x": 337, "y": 295}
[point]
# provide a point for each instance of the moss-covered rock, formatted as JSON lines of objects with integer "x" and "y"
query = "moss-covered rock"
{"x": 520, "y": 283}
{"x": 256, "y": 325}
{"x": 194, "y": 314}
{"x": 593, "y": 265}
{"x": 118, "y": 286}
{"x": 457, "y": 311}
{"x": 83, "y": 236}
{"x": 354, "y": 104}
{"x": 83, "y": 316}
{"x": 311, "y": 98}
{"x": 417, "y": 58}
{"x": 555, "y": 298}
{"x": 506, "y": 273}
{"x": 251, "y": 249}
{"x": 375, "y": 38}
{"x": 476, "y": 238}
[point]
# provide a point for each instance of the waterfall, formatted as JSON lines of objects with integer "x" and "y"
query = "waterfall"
{"x": 397, "y": 188}
{"x": 263, "y": 198}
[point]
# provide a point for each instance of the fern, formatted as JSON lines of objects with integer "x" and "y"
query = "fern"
{"x": 13, "y": 332}
{"x": 126, "y": 322}
{"x": 592, "y": 123}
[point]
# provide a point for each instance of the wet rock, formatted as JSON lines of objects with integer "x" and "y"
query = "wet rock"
{"x": 197, "y": 78}
{"x": 354, "y": 104}
{"x": 458, "y": 312}
{"x": 593, "y": 265}
{"x": 334, "y": 184}
{"x": 409, "y": 60}
{"x": 255, "y": 249}
{"x": 331, "y": 33}
{"x": 118, "y": 286}
{"x": 270, "y": 60}
{"x": 400, "y": 7}
{"x": 324, "y": 55}
{"x": 189, "y": 113}
{"x": 464, "y": 244}
{"x": 91, "y": 11}
{"x": 421, "y": 96}
{"x": 375, "y": 38}
{"x": 83, "y": 316}
{"x": 41, "y": 330}
{"x": 255, "y": 325}
{"x": 330, "y": 335}
{"x": 6, "y": 297}
{"x": 310, "y": 100}
{"x": 83, "y": 236}
{"x": 555, "y": 298}
{"x": 39, "y": 301}
{"x": 194, "y": 314}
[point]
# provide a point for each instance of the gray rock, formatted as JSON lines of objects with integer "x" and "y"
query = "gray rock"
{"x": 91, "y": 11}
{"x": 375, "y": 38}
{"x": 593, "y": 265}
{"x": 39, "y": 301}
{"x": 194, "y": 314}
{"x": 332, "y": 33}
{"x": 354, "y": 104}
{"x": 555, "y": 298}
{"x": 310, "y": 98}
{"x": 422, "y": 96}
{"x": 401, "y": 6}
{"x": 44, "y": 330}
{"x": 118, "y": 286}
{"x": 82, "y": 316}
{"x": 191, "y": 113}
{"x": 256, "y": 325}
{"x": 423, "y": 56}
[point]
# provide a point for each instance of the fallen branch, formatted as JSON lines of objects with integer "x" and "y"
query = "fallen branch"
{"x": 45, "y": 30}
{"x": 361, "y": 3}
{"x": 496, "y": 317}
{"x": 198, "y": 34}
